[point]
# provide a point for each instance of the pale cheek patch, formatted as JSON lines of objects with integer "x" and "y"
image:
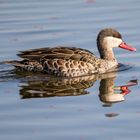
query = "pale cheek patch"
{"x": 112, "y": 42}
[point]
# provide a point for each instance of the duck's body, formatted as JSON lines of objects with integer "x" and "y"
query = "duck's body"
{"x": 63, "y": 61}
{"x": 73, "y": 62}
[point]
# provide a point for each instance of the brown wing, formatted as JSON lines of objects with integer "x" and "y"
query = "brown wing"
{"x": 64, "y": 53}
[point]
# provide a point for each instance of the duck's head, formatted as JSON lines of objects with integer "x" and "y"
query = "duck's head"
{"x": 109, "y": 38}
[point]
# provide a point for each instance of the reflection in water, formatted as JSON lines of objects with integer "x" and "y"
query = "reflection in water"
{"x": 109, "y": 93}
{"x": 43, "y": 86}
{"x": 110, "y": 115}
{"x": 38, "y": 86}
{"x": 50, "y": 87}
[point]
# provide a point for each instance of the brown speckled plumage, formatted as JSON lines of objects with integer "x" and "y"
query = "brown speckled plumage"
{"x": 59, "y": 61}
{"x": 68, "y": 61}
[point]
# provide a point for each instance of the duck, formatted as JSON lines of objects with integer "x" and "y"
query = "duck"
{"x": 63, "y": 61}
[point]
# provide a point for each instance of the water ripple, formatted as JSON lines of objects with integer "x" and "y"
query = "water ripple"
{"x": 39, "y": 23}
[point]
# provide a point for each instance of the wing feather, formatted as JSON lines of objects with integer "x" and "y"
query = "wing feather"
{"x": 65, "y": 53}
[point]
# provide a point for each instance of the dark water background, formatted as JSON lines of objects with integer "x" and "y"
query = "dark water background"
{"x": 31, "y": 24}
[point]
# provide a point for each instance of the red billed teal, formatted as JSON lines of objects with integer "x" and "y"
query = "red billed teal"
{"x": 71, "y": 61}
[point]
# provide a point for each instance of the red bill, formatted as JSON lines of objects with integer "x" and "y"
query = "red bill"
{"x": 123, "y": 45}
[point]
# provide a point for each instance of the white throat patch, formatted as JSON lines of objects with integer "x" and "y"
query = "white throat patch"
{"x": 111, "y": 42}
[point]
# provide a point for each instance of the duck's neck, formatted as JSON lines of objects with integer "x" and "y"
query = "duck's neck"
{"x": 106, "y": 51}
{"x": 107, "y": 54}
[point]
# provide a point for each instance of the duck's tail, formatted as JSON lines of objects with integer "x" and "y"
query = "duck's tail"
{"x": 25, "y": 65}
{"x": 14, "y": 63}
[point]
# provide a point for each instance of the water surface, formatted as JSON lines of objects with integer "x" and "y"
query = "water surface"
{"x": 77, "y": 110}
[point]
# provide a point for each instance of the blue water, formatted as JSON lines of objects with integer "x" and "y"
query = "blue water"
{"x": 31, "y": 24}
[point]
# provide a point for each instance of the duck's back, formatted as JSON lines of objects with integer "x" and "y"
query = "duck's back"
{"x": 59, "y": 61}
{"x": 65, "y": 53}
